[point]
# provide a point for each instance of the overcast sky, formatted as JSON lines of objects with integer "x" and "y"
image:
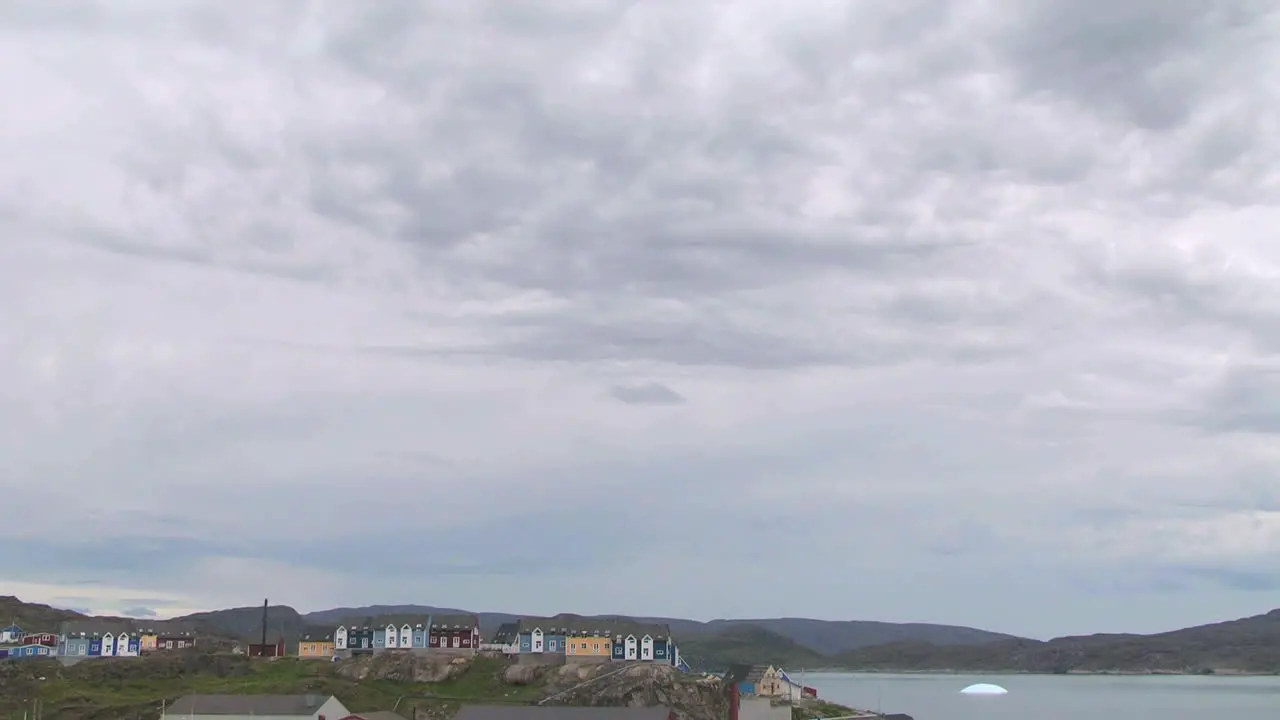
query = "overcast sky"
{"x": 964, "y": 312}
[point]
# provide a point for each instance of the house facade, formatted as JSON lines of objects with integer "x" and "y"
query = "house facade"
{"x": 316, "y": 646}
{"x": 41, "y": 638}
{"x": 115, "y": 638}
{"x": 505, "y": 640}
{"x": 381, "y": 633}
{"x": 588, "y": 640}
{"x": 29, "y": 651}
{"x": 10, "y": 635}
{"x": 457, "y": 634}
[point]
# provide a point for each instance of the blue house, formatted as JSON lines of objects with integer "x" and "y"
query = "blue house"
{"x": 543, "y": 635}
{"x": 409, "y": 632}
{"x": 10, "y": 634}
{"x": 30, "y": 651}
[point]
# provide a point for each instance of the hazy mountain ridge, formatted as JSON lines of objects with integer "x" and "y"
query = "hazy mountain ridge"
{"x": 824, "y": 637}
{"x": 1249, "y": 644}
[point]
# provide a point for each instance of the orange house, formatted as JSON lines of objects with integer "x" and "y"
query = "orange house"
{"x": 316, "y": 646}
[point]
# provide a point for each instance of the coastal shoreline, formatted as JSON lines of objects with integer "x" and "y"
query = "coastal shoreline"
{"x": 1125, "y": 673}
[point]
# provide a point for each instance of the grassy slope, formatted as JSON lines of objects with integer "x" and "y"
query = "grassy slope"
{"x": 133, "y": 687}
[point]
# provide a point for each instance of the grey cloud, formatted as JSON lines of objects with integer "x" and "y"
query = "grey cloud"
{"x": 1246, "y": 400}
{"x": 401, "y": 253}
{"x": 1150, "y": 62}
{"x": 138, "y": 611}
{"x": 650, "y": 393}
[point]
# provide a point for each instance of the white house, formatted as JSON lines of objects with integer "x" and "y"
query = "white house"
{"x": 631, "y": 647}
{"x": 11, "y": 634}
{"x": 646, "y": 648}
{"x": 257, "y": 707}
{"x": 340, "y": 638}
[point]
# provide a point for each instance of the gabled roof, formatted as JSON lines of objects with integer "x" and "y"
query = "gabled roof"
{"x": 455, "y": 621}
{"x": 95, "y": 626}
{"x": 286, "y": 705}
{"x": 380, "y": 622}
{"x": 507, "y": 633}
{"x": 317, "y": 636}
{"x": 10, "y": 628}
{"x": 584, "y": 626}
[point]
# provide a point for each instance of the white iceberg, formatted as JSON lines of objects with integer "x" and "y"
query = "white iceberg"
{"x": 984, "y": 689}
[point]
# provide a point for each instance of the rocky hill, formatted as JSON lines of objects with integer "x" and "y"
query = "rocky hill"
{"x": 1247, "y": 645}
{"x": 421, "y": 686}
{"x": 33, "y": 616}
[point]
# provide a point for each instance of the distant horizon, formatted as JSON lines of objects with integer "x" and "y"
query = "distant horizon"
{"x": 304, "y": 613}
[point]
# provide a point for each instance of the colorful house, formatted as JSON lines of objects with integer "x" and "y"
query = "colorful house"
{"x": 10, "y": 634}
{"x": 30, "y": 651}
{"x": 46, "y": 639}
{"x": 505, "y": 640}
{"x": 384, "y": 632}
{"x": 456, "y": 633}
{"x": 540, "y": 636}
{"x": 316, "y": 645}
{"x": 582, "y": 639}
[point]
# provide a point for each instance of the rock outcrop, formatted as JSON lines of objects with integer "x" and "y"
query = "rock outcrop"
{"x": 403, "y": 667}
{"x": 692, "y": 697}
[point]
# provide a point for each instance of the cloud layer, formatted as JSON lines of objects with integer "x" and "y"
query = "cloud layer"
{"x": 694, "y": 309}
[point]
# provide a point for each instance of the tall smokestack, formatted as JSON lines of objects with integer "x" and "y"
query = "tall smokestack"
{"x": 264, "y": 621}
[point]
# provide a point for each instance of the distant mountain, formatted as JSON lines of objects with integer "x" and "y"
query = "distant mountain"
{"x": 1247, "y": 645}
{"x": 749, "y": 644}
{"x": 824, "y": 637}
{"x": 245, "y": 623}
{"x": 33, "y": 617}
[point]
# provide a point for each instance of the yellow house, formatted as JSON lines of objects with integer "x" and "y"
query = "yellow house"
{"x": 147, "y": 641}
{"x": 588, "y": 645}
{"x": 317, "y": 646}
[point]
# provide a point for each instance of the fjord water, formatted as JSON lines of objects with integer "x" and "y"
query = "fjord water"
{"x": 1057, "y": 697}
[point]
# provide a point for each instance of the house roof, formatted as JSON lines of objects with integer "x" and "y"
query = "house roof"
{"x": 550, "y": 712}
{"x": 100, "y": 627}
{"x": 455, "y": 621}
{"x": 602, "y": 626}
{"x": 287, "y": 705}
{"x": 10, "y": 628}
{"x": 506, "y": 632}
{"x": 317, "y": 636}
{"x": 382, "y": 621}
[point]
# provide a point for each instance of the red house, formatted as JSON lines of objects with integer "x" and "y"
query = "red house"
{"x": 454, "y": 632}
{"x": 266, "y": 650}
{"x": 46, "y": 639}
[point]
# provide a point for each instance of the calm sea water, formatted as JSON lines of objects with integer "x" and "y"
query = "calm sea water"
{"x": 1057, "y": 697}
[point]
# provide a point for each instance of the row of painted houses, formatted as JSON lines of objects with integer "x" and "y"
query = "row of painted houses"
{"x": 549, "y": 639}
{"x": 95, "y": 638}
